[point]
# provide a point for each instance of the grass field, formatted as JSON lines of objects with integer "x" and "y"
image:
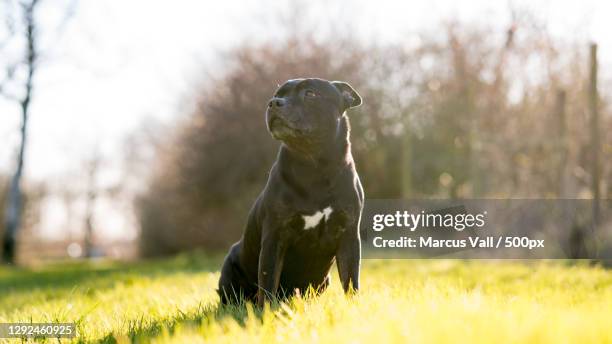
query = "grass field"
{"x": 174, "y": 301}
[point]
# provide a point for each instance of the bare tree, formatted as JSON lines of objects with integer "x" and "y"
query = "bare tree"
{"x": 21, "y": 25}
{"x": 92, "y": 193}
{"x": 14, "y": 201}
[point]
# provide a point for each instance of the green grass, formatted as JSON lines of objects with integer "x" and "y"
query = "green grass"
{"x": 174, "y": 301}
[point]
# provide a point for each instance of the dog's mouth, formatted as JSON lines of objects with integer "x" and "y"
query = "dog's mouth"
{"x": 280, "y": 129}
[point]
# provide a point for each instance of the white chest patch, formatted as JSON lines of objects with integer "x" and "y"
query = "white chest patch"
{"x": 311, "y": 221}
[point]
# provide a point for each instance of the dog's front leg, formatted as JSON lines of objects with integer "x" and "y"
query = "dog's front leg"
{"x": 270, "y": 266}
{"x": 348, "y": 258}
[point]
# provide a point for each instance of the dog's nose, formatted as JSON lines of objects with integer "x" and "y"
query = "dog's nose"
{"x": 277, "y": 102}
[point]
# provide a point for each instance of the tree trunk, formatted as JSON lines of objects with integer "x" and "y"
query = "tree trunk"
{"x": 406, "y": 170}
{"x": 14, "y": 202}
{"x": 562, "y": 146}
{"x": 595, "y": 145}
{"x": 88, "y": 239}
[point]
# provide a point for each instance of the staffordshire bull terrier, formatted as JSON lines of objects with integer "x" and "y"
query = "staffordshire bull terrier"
{"x": 308, "y": 214}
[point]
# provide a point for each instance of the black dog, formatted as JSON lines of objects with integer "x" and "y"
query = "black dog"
{"x": 309, "y": 212}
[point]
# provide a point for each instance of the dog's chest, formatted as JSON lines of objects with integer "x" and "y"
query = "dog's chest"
{"x": 320, "y": 216}
{"x": 321, "y": 226}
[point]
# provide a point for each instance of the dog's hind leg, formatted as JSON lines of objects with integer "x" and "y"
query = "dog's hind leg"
{"x": 233, "y": 287}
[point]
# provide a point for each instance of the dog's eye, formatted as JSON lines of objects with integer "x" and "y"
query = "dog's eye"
{"x": 310, "y": 94}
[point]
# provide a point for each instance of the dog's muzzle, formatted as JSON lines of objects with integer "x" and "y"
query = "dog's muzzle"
{"x": 279, "y": 127}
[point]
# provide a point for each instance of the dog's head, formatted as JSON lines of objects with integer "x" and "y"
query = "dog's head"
{"x": 304, "y": 112}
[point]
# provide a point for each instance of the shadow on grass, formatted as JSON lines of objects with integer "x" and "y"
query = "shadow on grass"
{"x": 62, "y": 278}
{"x": 141, "y": 332}
{"x": 144, "y": 332}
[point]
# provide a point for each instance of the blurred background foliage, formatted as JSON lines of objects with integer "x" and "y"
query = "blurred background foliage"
{"x": 465, "y": 111}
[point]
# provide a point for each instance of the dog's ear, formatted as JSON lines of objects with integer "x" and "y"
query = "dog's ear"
{"x": 350, "y": 96}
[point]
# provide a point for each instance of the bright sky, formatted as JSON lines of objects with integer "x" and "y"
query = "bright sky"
{"x": 120, "y": 63}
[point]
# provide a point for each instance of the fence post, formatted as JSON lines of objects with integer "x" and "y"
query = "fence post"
{"x": 595, "y": 141}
